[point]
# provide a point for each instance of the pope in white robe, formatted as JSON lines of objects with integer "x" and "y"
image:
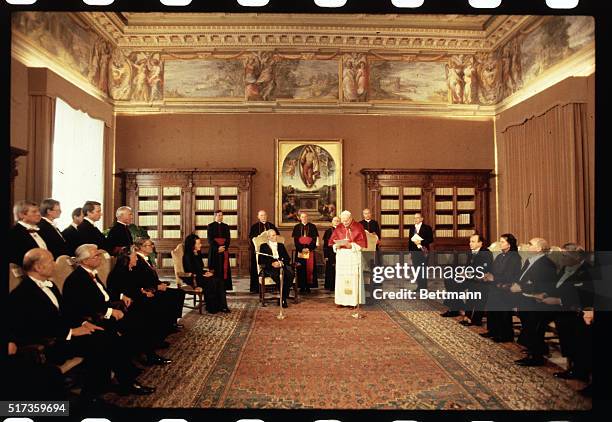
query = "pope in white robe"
{"x": 347, "y": 241}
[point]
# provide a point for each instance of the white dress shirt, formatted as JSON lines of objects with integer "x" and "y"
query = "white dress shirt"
{"x": 417, "y": 227}
{"x": 274, "y": 248}
{"x": 94, "y": 273}
{"x": 39, "y": 240}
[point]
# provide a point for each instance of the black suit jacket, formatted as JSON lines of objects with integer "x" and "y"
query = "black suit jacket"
{"x": 54, "y": 240}
{"x": 483, "y": 258}
{"x": 143, "y": 276}
{"x": 506, "y": 268}
{"x": 425, "y": 232}
{"x": 71, "y": 235}
{"x": 540, "y": 277}
{"x": 19, "y": 242}
{"x": 88, "y": 233}
{"x": 83, "y": 300}
{"x": 33, "y": 317}
{"x": 119, "y": 237}
{"x": 371, "y": 226}
{"x": 576, "y": 291}
{"x": 266, "y": 261}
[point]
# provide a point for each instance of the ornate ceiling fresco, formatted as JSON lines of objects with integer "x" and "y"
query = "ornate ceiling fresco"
{"x": 181, "y": 62}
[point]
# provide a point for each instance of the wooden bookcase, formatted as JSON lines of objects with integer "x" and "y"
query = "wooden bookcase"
{"x": 455, "y": 203}
{"x": 172, "y": 203}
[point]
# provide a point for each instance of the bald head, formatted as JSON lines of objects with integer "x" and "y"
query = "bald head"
{"x": 262, "y": 216}
{"x": 537, "y": 244}
{"x": 38, "y": 263}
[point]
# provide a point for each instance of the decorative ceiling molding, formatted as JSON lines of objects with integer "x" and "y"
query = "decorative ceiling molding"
{"x": 396, "y": 34}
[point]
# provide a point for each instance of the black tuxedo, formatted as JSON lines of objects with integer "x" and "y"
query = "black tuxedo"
{"x": 53, "y": 238}
{"x": 71, "y": 235}
{"x": 168, "y": 302}
{"x": 576, "y": 293}
{"x": 483, "y": 260}
{"x": 88, "y": 233}
{"x": 36, "y": 320}
{"x": 119, "y": 238}
{"x": 274, "y": 273}
{"x": 257, "y": 229}
{"x": 425, "y": 232}
{"x": 19, "y": 242}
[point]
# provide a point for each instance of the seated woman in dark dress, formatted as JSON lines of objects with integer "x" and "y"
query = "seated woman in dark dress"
{"x": 214, "y": 290}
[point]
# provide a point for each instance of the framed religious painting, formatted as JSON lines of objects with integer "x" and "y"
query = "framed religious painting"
{"x": 308, "y": 178}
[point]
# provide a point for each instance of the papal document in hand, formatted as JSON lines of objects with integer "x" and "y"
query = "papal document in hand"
{"x": 416, "y": 238}
{"x": 341, "y": 242}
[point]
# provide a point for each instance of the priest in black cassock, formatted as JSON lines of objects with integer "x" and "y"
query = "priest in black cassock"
{"x": 218, "y": 252}
{"x": 370, "y": 225}
{"x": 330, "y": 256}
{"x": 119, "y": 238}
{"x": 305, "y": 236}
{"x": 256, "y": 229}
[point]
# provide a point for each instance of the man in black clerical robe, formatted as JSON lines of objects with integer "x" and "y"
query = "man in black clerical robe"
{"x": 256, "y": 229}
{"x": 305, "y": 236}
{"x": 370, "y": 225}
{"x": 119, "y": 238}
{"x": 330, "y": 257}
{"x": 218, "y": 251}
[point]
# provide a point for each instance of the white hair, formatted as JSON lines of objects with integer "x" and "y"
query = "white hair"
{"x": 122, "y": 210}
{"x": 84, "y": 251}
{"x": 345, "y": 213}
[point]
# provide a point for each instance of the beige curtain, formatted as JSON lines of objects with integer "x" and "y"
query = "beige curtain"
{"x": 546, "y": 177}
{"x": 40, "y": 146}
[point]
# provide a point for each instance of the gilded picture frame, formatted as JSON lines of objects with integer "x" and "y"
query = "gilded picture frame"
{"x": 308, "y": 176}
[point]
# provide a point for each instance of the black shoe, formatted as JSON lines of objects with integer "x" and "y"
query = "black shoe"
{"x": 226, "y": 310}
{"x": 571, "y": 375}
{"x": 307, "y": 289}
{"x": 486, "y": 335}
{"x": 450, "y": 314}
{"x": 285, "y": 304}
{"x": 531, "y": 361}
{"x": 135, "y": 388}
{"x": 155, "y": 359}
{"x": 302, "y": 290}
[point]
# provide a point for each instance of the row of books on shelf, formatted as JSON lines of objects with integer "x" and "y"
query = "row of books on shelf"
{"x": 171, "y": 234}
{"x": 389, "y": 204}
{"x": 171, "y": 220}
{"x": 460, "y": 191}
{"x": 389, "y": 233}
{"x": 228, "y": 204}
{"x": 171, "y": 205}
{"x": 147, "y": 220}
{"x": 205, "y": 204}
{"x": 205, "y": 220}
{"x": 205, "y": 191}
{"x": 148, "y": 205}
{"x": 148, "y": 191}
{"x": 444, "y": 205}
{"x": 412, "y": 204}
{"x": 444, "y": 191}
{"x": 444, "y": 219}
{"x": 448, "y": 219}
{"x": 387, "y": 219}
{"x": 466, "y": 205}
{"x": 171, "y": 191}
{"x": 444, "y": 233}
{"x": 464, "y": 218}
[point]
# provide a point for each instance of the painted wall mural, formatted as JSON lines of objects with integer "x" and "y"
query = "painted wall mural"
{"x": 408, "y": 81}
{"x": 145, "y": 76}
{"x": 67, "y": 41}
{"x": 204, "y": 78}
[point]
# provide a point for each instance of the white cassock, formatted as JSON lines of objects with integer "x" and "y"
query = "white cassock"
{"x": 350, "y": 288}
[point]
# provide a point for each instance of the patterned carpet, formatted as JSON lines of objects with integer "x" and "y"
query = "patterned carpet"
{"x": 403, "y": 355}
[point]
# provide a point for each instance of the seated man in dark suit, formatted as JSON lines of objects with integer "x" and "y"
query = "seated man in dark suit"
{"x": 25, "y": 234}
{"x": 86, "y": 298}
{"x": 88, "y": 232}
{"x": 37, "y": 317}
{"x": 119, "y": 238}
{"x": 537, "y": 280}
{"x": 70, "y": 233}
{"x": 56, "y": 244}
{"x": 145, "y": 283}
{"x": 479, "y": 257}
{"x": 274, "y": 256}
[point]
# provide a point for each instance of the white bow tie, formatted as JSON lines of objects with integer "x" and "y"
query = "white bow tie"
{"x": 45, "y": 283}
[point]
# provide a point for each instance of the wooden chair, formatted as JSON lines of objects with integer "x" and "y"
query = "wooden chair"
{"x": 267, "y": 284}
{"x": 64, "y": 266}
{"x": 180, "y": 274}
{"x": 15, "y": 276}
